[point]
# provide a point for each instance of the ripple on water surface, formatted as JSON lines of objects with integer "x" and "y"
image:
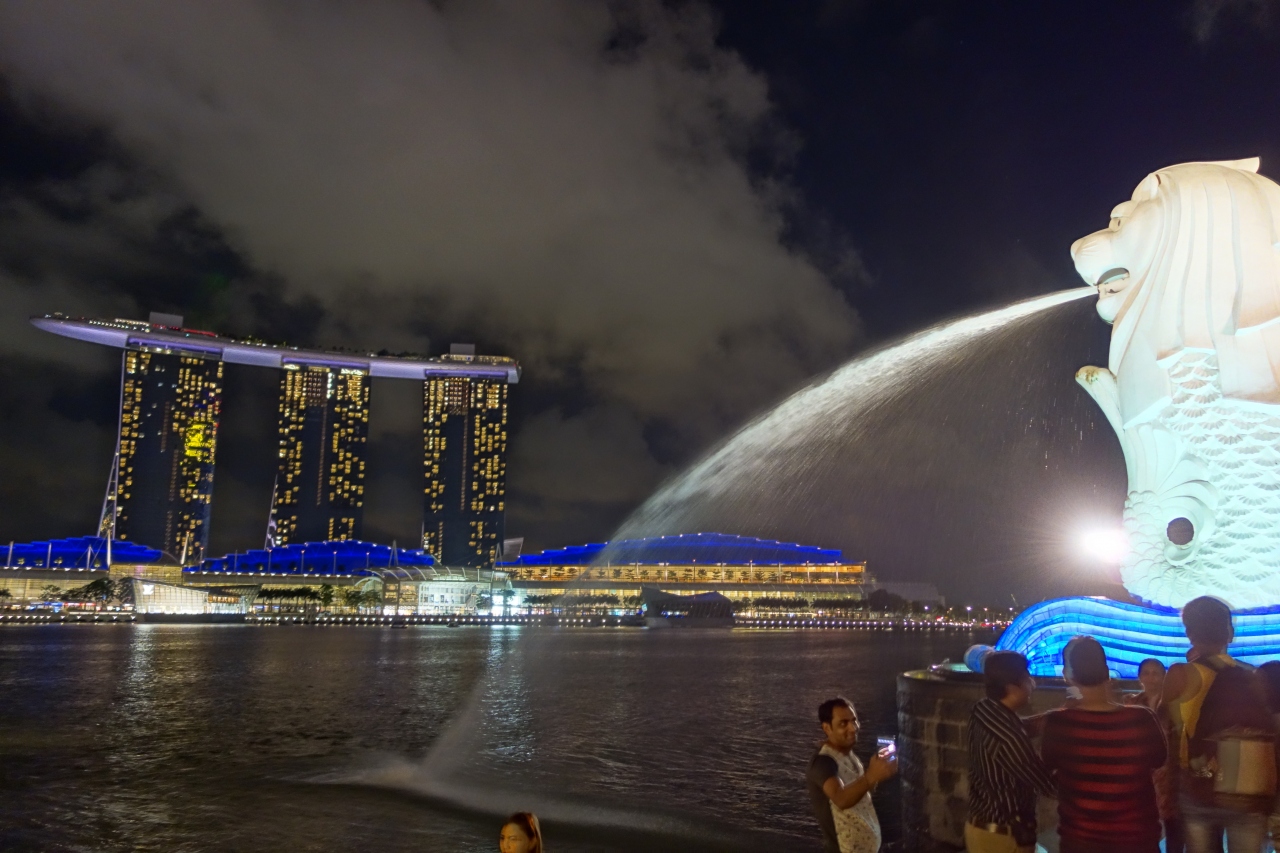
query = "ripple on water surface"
{"x": 180, "y": 738}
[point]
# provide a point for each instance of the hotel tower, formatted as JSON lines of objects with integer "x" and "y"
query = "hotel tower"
{"x": 161, "y": 492}
{"x": 324, "y": 425}
{"x": 464, "y": 441}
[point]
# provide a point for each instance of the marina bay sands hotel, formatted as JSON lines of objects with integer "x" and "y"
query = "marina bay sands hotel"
{"x": 160, "y": 492}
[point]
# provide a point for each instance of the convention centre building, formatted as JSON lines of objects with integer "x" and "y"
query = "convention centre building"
{"x": 398, "y": 581}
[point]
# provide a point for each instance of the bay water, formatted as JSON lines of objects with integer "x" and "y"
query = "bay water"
{"x": 240, "y": 738}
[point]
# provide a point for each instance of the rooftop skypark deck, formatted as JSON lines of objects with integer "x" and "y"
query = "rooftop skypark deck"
{"x": 138, "y": 334}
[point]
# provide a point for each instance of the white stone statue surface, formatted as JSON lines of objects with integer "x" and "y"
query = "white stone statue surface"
{"x": 1188, "y": 274}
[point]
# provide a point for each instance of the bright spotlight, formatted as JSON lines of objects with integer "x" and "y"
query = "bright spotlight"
{"x": 1109, "y": 545}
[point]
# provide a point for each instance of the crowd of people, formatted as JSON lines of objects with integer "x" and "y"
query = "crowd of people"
{"x": 1191, "y": 759}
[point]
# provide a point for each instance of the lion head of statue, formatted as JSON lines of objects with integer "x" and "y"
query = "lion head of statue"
{"x": 1190, "y": 262}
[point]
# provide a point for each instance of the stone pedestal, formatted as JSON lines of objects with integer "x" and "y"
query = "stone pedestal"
{"x": 933, "y": 756}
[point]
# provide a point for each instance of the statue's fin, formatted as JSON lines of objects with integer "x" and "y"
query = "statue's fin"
{"x": 1102, "y": 387}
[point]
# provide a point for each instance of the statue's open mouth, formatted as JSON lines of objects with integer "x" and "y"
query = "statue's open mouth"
{"x": 1110, "y": 281}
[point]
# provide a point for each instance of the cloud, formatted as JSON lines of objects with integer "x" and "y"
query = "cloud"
{"x": 563, "y": 180}
{"x": 598, "y": 456}
{"x": 1207, "y": 15}
{"x": 501, "y": 155}
{"x": 48, "y": 416}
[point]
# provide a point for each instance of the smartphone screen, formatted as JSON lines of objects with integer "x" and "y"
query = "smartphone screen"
{"x": 887, "y": 743}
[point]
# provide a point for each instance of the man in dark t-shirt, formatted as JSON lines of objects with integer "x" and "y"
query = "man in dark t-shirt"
{"x": 839, "y": 788}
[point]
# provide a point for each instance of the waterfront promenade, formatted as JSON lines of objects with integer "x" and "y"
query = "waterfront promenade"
{"x": 891, "y": 625}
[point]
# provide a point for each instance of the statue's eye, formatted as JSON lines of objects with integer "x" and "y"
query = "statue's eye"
{"x": 1116, "y": 222}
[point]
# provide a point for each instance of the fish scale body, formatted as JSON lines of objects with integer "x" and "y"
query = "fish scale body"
{"x": 1238, "y": 445}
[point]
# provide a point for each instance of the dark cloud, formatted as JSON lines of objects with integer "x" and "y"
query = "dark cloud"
{"x": 593, "y": 189}
{"x": 55, "y": 448}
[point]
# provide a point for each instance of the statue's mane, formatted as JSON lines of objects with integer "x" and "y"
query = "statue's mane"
{"x": 1213, "y": 285}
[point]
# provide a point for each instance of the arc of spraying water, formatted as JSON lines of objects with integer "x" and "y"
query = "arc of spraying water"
{"x": 869, "y": 379}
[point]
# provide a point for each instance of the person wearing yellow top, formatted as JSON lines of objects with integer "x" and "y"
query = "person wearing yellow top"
{"x": 1207, "y": 811}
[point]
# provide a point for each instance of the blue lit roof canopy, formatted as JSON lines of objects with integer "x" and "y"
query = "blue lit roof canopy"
{"x": 685, "y": 549}
{"x": 78, "y": 552}
{"x": 334, "y": 558}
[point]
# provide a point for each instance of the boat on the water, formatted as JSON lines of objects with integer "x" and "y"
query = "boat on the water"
{"x": 704, "y": 610}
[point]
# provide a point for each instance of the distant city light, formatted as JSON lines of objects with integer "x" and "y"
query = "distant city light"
{"x": 1106, "y": 544}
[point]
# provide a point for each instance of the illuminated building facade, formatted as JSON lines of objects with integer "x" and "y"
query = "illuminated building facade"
{"x": 170, "y": 403}
{"x": 739, "y": 567}
{"x": 324, "y": 427}
{"x": 465, "y": 461}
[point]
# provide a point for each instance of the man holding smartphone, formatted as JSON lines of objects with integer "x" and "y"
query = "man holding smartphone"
{"x": 840, "y": 789}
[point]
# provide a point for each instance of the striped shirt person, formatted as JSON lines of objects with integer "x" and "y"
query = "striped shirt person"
{"x": 1104, "y": 754}
{"x": 1005, "y": 773}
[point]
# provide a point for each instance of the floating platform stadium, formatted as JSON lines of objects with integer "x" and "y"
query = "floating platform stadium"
{"x": 602, "y": 575}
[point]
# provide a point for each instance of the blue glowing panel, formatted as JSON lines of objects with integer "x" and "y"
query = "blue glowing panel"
{"x": 1130, "y": 633}
{"x": 685, "y": 549}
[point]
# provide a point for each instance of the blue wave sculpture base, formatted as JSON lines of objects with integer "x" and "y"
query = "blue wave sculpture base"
{"x": 1130, "y": 633}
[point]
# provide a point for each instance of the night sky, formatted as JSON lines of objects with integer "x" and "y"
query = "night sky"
{"x": 672, "y": 214}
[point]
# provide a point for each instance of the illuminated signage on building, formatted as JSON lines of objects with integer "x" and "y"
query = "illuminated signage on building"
{"x": 170, "y": 404}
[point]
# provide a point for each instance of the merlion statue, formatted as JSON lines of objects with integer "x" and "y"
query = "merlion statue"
{"x": 1188, "y": 274}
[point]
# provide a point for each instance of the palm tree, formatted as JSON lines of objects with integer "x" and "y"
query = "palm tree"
{"x": 359, "y": 599}
{"x": 103, "y": 590}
